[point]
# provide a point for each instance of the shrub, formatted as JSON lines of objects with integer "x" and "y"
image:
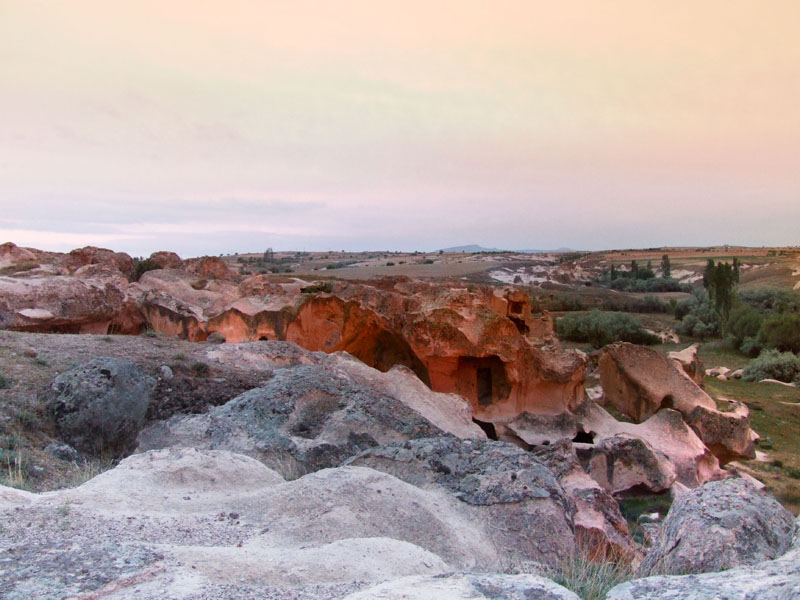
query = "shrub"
{"x": 143, "y": 266}
{"x": 200, "y": 368}
{"x": 782, "y": 332}
{"x": 771, "y": 364}
{"x": 600, "y": 328}
{"x": 699, "y": 319}
{"x": 744, "y": 324}
{"x": 4, "y": 382}
{"x": 390, "y": 264}
{"x": 771, "y": 299}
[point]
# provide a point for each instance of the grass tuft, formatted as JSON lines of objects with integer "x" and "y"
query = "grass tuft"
{"x": 589, "y": 579}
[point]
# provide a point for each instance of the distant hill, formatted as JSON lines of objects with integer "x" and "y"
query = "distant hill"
{"x": 472, "y": 248}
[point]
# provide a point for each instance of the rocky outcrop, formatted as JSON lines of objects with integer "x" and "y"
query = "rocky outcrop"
{"x": 623, "y": 462}
{"x": 601, "y": 532}
{"x": 530, "y": 514}
{"x": 666, "y": 437}
{"x": 100, "y": 257}
{"x": 690, "y": 362}
{"x": 13, "y": 258}
{"x": 65, "y": 305}
{"x": 777, "y": 579}
{"x": 639, "y": 381}
{"x": 99, "y": 407}
{"x": 208, "y": 267}
{"x": 720, "y": 525}
{"x": 166, "y": 260}
{"x": 467, "y": 586}
{"x": 314, "y": 416}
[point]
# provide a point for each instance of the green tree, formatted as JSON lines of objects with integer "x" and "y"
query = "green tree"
{"x": 666, "y": 269}
{"x": 720, "y": 281}
{"x": 634, "y": 269}
{"x": 736, "y": 268}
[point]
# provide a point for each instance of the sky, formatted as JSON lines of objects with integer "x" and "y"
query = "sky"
{"x": 209, "y": 127}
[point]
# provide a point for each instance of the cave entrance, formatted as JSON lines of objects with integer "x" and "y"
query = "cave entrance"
{"x": 488, "y": 428}
{"x": 484, "y": 386}
{"x": 520, "y": 324}
{"x": 382, "y": 350}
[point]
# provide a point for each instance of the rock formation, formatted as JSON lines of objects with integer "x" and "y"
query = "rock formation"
{"x": 639, "y": 381}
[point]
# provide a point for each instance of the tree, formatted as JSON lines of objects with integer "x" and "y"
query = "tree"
{"x": 613, "y": 272}
{"x": 634, "y": 269}
{"x": 666, "y": 269}
{"x": 269, "y": 255}
{"x": 720, "y": 280}
{"x": 736, "y": 268}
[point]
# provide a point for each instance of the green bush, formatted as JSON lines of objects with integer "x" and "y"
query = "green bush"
{"x": 600, "y": 328}
{"x": 698, "y": 317}
{"x": 782, "y": 332}
{"x": 770, "y": 299}
{"x": 143, "y": 266}
{"x": 743, "y": 326}
{"x": 771, "y": 364}
{"x": 4, "y": 382}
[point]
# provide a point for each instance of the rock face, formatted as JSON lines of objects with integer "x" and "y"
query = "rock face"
{"x": 100, "y": 406}
{"x": 468, "y": 586}
{"x": 530, "y": 513}
{"x": 777, "y": 579}
{"x": 639, "y": 382}
{"x": 483, "y": 344}
{"x": 690, "y": 362}
{"x": 208, "y": 267}
{"x": 312, "y": 416}
{"x": 666, "y": 438}
{"x": 12, "y": 256}
{"x": 623, "y": 462}
{"x": 166, "y": 260}
{"x": 182, "y": 523}
{"x": 720, "y": 525}
{"x": 601, "y": 532}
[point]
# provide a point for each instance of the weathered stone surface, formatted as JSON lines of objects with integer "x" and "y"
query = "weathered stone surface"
{"x": 690, "y": 362}
{"x": 60, "y": 304}
{"x": 100, "y": 406}
{"x": 182, "y": 523}
{"x": 91, "y": 255}
{"x": 720, "y": 525}
{"x": 468, "y": 586}
{"x": 777, "y": 579}
{"x": 208, "y": 267}
{"x": 303, "y": 419}
{"x": 12, "y": 256}
{"x": 601, "y": 531}
{"x": 623, "y": 462}
{"x": 666, "y": 433}
{"x": 639, "y": 382}
{"x": 530, "y": 514}
{"x": 166, "y": 260}
{"x": 537, "y": 430}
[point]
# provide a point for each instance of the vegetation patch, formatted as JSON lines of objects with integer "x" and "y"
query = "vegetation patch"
{"x": 601, "y": 328}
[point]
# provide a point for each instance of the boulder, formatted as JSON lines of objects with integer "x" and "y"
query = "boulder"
{"x": 529, "y": 513}
{"x": 622, "y": 462}
{"x": 537, "y": 430}
{"x": 777, "y": 579}
{"x": 208, "y": 267}
{"x": 166, "y": 260}
{"x": 721, "y": 525}
{"x": 467, "y": 586}
{"x": 303, "y": 419}
{"x": 102, "y": 257}
{"x": 665, "y": 433}
{"x": 690, "y": 362}
{"x": 639, "y": 382}
{"x": 61, "y": 304}
{"x": 601, "y": 532}
{"x": 12, "y": 257}
{"x": 99, "y": 407}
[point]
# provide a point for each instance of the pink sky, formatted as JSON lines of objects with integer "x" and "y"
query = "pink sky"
{"x": 209, "y": 127}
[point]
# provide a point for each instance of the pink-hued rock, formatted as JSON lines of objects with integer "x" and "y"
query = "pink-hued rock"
{"x": 665, "y": 433}
{"x": 91, "y": 255}
{"x": 639, "y": 382}
{"x": 166, "y": 260}
{"x": 690, "y": 362}
{"x": 208, "y": 267}
{"x": 12, "y": 255}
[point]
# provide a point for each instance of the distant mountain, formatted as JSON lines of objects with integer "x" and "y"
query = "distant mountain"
{"x": 472, "y": 248}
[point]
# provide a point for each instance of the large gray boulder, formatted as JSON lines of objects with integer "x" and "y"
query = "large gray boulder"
{"x": 720, "y": 525}
{"x": 305, "y": 418}
{"x": 467, "y": 586}
{"x": 99, "y": 407}
{"x": 528, "y": 512}
{"x": 769, "y": 580}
